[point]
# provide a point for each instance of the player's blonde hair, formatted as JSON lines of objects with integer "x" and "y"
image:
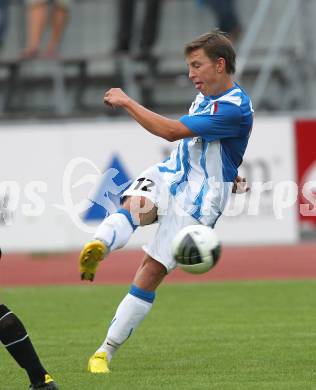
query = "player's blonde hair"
{"x": 216, "y": 44}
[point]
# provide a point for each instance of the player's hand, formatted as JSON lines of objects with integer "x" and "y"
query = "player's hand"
{"x": 115, "y": 97}
{"x": 240, "y": 185}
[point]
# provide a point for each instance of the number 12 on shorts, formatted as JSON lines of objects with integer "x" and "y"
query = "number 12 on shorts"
{"x": 144, "y": 184}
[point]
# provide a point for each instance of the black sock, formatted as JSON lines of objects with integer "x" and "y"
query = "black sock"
{"x": 14, "y": 337}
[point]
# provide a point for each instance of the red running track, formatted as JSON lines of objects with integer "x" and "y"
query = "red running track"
{"x": 236, "y": 263}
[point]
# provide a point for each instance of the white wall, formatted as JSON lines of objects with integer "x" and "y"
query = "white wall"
{"x": 50, "y": 169}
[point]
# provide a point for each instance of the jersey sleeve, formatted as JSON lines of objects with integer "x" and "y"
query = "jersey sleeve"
{"x": 224, "y": 123}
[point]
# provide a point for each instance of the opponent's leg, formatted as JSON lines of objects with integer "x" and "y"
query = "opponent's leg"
{"x": 114, "y": 232}
{"x": 130, "y": 313}
{"x": 15, "y": 339}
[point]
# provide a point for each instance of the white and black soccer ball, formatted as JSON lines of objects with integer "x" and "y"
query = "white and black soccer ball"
{"x": 196, "y": 249}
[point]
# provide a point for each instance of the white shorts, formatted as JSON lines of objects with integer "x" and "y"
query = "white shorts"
{"x": 171, "y": 219}
{"x": 150, "y": 185}
{"x": 168, "y": 226}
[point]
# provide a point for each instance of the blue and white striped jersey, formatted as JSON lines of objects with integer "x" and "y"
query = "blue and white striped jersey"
{"x": 201, "y": 170}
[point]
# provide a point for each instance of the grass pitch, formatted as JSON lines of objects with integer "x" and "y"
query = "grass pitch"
{"x": 221, "y": 336}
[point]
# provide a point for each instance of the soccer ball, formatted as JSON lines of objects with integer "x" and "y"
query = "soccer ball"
{"x": 196, "y": 249}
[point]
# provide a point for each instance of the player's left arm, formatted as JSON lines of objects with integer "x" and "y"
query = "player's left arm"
{"x": 169, "y": 129}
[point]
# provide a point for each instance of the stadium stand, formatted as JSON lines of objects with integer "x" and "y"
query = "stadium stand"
{"x": 75, "y": 82}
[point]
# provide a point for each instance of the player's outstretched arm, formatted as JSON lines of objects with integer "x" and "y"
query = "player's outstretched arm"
{"x": 169, "y": 129}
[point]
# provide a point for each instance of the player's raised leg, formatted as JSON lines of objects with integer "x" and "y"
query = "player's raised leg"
{"x": 15, "y": 339}
{"x": 114, "y": 232}
{"x": 130, "y": 313}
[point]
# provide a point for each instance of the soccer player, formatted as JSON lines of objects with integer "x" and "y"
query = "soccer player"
{"x": 15, "y": 339}
{"x": 192, "y": 186}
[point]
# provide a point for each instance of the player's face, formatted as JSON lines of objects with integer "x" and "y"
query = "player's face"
{"x": 204, "y": 72}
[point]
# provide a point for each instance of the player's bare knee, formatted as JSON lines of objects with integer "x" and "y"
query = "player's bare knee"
{"x": 154, "y": 266}
{"x": 143, "y": 211}
{"x": 150, "y": 274}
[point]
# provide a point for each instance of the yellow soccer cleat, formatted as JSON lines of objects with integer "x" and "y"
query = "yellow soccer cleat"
{"x": 90, "y": 257}
{"x": 98, "y": 363}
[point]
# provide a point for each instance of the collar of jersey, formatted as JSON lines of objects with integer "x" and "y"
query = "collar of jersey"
{"x": 214, "y": 97}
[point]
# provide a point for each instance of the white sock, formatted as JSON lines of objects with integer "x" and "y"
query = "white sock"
{"x": 116, "y": 229}
{"x": 130, "y": 313}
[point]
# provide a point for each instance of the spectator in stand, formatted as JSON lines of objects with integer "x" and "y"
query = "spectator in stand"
{"x": 149, "y": 27}
{"x": 37, "y": 20}
{"x": 226, "y": 15}
{"x": 4, "y": 15}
